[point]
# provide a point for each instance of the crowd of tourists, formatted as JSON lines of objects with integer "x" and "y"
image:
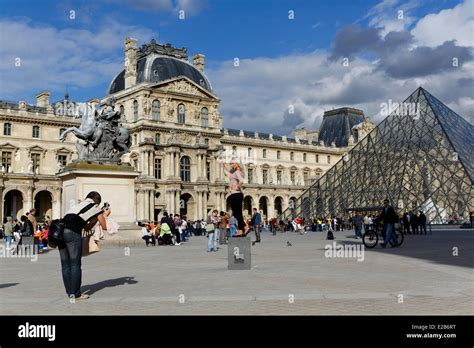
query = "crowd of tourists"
{"x": 27, "y": 230}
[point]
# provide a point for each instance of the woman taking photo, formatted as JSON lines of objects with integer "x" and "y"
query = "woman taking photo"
{"x": 82, "y": 216}
{"x": 236, "y": 176}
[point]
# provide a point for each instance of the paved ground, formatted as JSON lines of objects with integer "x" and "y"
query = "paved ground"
{"x": 421, "y": 277}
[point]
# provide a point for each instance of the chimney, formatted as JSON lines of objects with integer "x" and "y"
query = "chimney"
{"x": 130, "y": 62}
{"x": 199, "y": 61}
{"x": 42, "y": 99}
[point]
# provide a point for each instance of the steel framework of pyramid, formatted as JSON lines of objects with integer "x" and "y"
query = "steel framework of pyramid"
{"x": 421, "y": 157}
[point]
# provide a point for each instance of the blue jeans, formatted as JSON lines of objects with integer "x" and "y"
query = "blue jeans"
{"x": 212, "y": 241}
{"x": 389, "y": 234}
{"x": 8, "y": 240}
{"x": 358, "y": 230}
{"x": 71, "y": 253}
{"x": 233, "y": 230}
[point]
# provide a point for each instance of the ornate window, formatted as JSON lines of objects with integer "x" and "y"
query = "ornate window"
{"x": 6, "y": 160}
{"x": 293, "y": 177}
{"x": 155, "y": 110}
{"x": 181, "y": 114}
{"x": 306, "y": 178}
{"x": 36, "y": 131}
{"x": 62, "y": 159}
{"x": 157, "y": 168}
{"x": 265, "y": 176}
{"x": 208, "y": 170}
{"x": 36, "y": 158}
{"x": 234, "y": 150}
{"x": 157, "y": 138}
{"x": 249, "y": 152}
{"x": 279, "y": 177}
{"x": 304, "y": 157}
{"x": 250, "y": 175}
{"x": 185, "y": 168}
{"x": 205, "y": 117}
{"x": 292, "y": 156}
{"x": 122, "y": 110}
{"x": 7, "y": 129}
{"x": 135, "y": 110}
{"x": 278, "y": 154}
{"x": 264, "y": 153}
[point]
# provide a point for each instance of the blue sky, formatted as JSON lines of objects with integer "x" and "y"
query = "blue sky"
{"x": 283, "y": 62}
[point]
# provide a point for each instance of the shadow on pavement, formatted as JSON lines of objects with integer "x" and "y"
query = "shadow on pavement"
{"x": 109, "y": 283}
{"x": 7, "y": 285}
{"x": 437, "y": 248}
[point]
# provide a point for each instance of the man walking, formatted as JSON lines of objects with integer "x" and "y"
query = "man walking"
{"x": 422, "y": 221}
{"x": 357, "y": 222}
{"x": 388, "y": 217}
{"x": 256, "y": 223}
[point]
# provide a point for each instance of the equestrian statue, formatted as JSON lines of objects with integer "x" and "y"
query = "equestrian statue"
{"x": 105, "y": 140}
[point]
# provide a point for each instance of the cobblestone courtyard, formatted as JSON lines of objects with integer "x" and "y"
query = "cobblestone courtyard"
{"x": 421, "y": 277}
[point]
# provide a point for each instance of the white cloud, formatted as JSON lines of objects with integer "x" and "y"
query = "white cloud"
{"x": 392, "y": 15}
{"x": 256, "y": 95}
{"x": 449, "y": 24}
{"x": 54, "y": 58}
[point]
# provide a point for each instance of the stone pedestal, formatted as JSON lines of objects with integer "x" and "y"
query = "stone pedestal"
{"x": 239, "y": 254}
{"x": 116, "y": 185}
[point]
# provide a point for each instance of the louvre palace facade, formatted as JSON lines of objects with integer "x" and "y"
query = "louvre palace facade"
{"x": 178, "y": 146}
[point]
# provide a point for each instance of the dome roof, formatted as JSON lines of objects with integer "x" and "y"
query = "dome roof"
{"x": 157, "y": 67}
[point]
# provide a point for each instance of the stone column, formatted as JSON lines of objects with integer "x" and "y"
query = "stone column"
{"x": 139, "y": 205}
{"x": 177, "y": 202}
{"x": 2, "y": 202}
{"x": 136, "y": 203}
{"x": 198, "y": 169}
{"x": 146, "y": 206}
{"x": 199, "y": 205}
{"x": 170, "y": 163}
{"x": 271, "y": 207}
{"x": 151, "y": 164}
{"x": 204, "y": 203}
{"x": 176, "y": 165}
{"x": 152, "y": 204}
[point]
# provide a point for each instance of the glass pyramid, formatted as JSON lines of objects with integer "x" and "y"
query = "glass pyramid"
{"x": 421, "y": 157}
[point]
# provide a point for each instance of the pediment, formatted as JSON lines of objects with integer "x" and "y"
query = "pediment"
{"x": 184, "y": 85}
{"x": 8, "y": 147}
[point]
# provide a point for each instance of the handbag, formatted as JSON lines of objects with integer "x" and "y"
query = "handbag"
{"x": 89, "y": 246}
{"x": 210, "y": 227}
{"x": 55, "y": 233}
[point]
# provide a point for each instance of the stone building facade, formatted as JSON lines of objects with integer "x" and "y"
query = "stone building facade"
{"x": 178, "y": 144}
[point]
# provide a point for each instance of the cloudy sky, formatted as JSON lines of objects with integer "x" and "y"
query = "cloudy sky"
{"x": 306, "y": 55}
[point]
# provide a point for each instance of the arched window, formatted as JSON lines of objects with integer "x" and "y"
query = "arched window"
{"x": 7, "y": 129}
{"x": 185, "y": 168}
{"x": 155, "y": 110}
{"x": 181, "y": 114}
{"x": 157, "y": 138}
{"x": 205, "y": 117}
{"x": 135, "y": 110}
{"x": 122, "y": 110}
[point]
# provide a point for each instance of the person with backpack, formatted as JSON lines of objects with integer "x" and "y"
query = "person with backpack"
{"x": 8, "y": 232}
{"x": 81, "y": 217}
